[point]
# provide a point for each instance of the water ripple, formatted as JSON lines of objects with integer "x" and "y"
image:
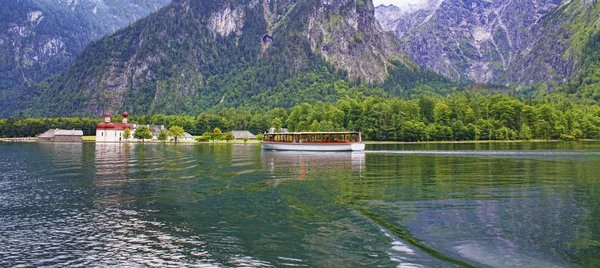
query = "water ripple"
{"x": 105, "y": 238}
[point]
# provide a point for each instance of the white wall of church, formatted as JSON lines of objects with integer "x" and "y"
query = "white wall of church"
{"x": 110, "y": 135}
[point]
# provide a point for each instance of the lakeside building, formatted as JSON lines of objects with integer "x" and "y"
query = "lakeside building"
{"x": 62, "y": 135}
{"x": 243, "y": 134}
{"x": 154, "y": 129}
{"x": 112, "y": 132}
{"x": 186, "y": 137}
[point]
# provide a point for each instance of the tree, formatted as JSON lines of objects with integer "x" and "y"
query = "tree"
{"x": 525, "y": 133}
{"x": 142, "y": 133}
{"x": 505, "y": 133}
{"x": 217, "y": 134}
{"x": 162, "y": 135}
{"x": 229, "y": 136}
{"x": 127, "y": 134}
{"x": 486, "y": 129}
{"x": 176, "y": 132}
{"x": 442, "y": 113}
{"x": 469, "y": 116}
{"x": 259, "y": 137}
{"x": 426, "y": 106}
{"x": 472, "y": 132}
{"x": 277, "y": 124}
{"x": 207, "y": 136}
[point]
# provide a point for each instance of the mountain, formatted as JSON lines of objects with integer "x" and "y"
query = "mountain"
{"x": 193, "y": 55}
{"x": 40, "y": 38}
{"x": 560, "y": 48}
{"x": 476, "y": 40}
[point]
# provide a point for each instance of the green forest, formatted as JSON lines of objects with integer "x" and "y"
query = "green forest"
{"x": 457, "y": 117}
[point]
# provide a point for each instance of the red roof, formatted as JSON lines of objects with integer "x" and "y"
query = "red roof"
{"x": 115, "y": 126}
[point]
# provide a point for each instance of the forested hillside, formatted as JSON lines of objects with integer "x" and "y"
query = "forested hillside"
{"x": 40, "y": 38}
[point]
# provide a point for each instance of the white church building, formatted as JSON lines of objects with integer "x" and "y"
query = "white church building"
{"x": 112, "y": 132}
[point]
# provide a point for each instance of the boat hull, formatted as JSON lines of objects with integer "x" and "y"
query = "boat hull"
{"x": 312, "y": 146}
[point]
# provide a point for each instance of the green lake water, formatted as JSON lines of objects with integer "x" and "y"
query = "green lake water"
{"x": 232, "y": 205}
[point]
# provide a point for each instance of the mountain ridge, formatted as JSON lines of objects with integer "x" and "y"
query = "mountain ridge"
{"x": 467, "y": 40}
{"x": 41, "y": 38}
{"x": 195, "y": 55}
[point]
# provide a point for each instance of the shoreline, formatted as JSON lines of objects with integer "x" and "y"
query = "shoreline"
{"x": 473, "y": 141}
{"x": 30, "y": 139}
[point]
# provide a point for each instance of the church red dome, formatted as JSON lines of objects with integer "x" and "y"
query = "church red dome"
{"x": 125, "y": 115}
{"x": 105, "y": 125}
{"x": 107, "y": 115}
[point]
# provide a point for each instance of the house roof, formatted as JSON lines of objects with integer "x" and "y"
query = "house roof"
{"x": 155, "y": 129}
{"x": 113, "y": 126}
{"x": 61, "y": 132}
{"x": 240, "y": 134}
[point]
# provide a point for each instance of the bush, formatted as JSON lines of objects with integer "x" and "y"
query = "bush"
{"x": 566, "y": 137}
{"x": 202, "y": 139}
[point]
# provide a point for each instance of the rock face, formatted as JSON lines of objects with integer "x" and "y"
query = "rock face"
{"x": 475, "y": 40}
{"x": 553, "y": 53}
{"x": 41, "y": 38}
{"x": 189, "y": 52}
{"x": 346, "y": 34}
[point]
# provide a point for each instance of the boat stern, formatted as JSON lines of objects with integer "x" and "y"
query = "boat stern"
{"x": 358, "y": 146}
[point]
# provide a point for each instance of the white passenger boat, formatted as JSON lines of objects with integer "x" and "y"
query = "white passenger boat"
{"x": 313, "y": 141}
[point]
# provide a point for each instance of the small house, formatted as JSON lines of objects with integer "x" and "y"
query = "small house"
{"x": 186, "y": 137}
{"x": 243, "y": 134}
{"x": 62, "y": 135}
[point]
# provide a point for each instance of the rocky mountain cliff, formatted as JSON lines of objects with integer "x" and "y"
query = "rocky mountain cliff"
{"x": 41, "y": 38}
{"x": 193, "y": 55}
{"x": 475, "y": 40}
{"x": 556, "y": 50}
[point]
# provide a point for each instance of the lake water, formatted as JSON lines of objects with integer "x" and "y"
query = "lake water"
{"x": 231, "y": 205}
